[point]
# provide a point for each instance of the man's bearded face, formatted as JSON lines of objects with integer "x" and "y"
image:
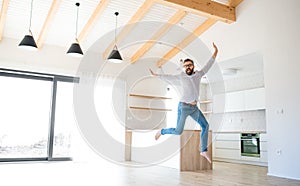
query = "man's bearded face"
{"x": 189, "y": 67}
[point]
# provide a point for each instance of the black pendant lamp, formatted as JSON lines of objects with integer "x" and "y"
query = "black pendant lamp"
{"x": 28, "y": 41}
{"x": 115, "y": 56}
{"x": 75, "y": 49}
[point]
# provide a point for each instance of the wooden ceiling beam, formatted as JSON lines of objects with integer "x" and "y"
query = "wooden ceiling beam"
{"x": 185, "y": 42}
{"x": 52, "y": 11}
{"x": 3, "y": 17}
{"x": 92, "y": 20}
{"x": 130, "y": 25}
{"x": 164, "y": 29}
{"x": 207, "y": 8}
{"x": 234, "y": 3}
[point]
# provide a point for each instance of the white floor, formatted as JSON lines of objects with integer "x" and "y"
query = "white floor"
{"x": 98, "y": 173}
{"x": 79, "y": 173}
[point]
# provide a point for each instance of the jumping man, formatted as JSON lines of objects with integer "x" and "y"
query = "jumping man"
{"x": 190, "y": 87}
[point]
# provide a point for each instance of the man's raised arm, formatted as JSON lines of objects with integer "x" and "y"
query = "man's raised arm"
{"x": 211, "y": 61}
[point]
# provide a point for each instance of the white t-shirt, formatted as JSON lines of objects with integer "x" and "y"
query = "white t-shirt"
{"x": 188, "y": 85}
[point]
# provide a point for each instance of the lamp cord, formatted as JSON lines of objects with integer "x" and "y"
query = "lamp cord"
{"x": 116, "y": 13}
{"x": 77, "y": 4}
{"x": 30, "y": 17}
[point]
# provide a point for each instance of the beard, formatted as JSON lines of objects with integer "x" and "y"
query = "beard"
{"x": 189, "y": 71}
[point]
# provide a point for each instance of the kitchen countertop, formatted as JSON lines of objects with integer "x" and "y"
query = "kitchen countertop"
{"x": 224, "y": 132}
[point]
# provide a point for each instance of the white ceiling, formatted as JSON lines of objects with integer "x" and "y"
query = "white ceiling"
{"x": 61, "y": 31}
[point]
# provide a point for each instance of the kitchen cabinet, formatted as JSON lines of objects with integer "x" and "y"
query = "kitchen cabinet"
{"x": 235, "y": 101}
{"x": 219, "y": 103}
{"x": 227, "y": 147}
{"x": 190, "y": 158}
{"x": 263, "y": 148}
{"x": 264, "y": 157}
{"x": 222, "y": 153}
{"x": 252, "y": 99}
{"x": 255, "y": 99}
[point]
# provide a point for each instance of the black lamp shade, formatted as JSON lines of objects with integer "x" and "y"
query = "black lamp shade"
{"x": 28, "y": 42}
{"x": 115, "y": 56}
{"x": 75, "y": 50}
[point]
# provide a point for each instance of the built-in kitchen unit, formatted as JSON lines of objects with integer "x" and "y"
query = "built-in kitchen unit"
{"x": 238, "y": 120}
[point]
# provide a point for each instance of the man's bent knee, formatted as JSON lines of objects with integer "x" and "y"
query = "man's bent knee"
{"x": 178, "y": 132}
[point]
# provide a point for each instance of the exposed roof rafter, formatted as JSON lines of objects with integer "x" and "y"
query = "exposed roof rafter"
{"x": 207, "y": 8}
{"x": 126, "y": 30}
{"x": 185, "y": 42}
{"x": 53, "y": 9}
{"x": 92, "y": 20}
{"x": 3, "y": 14}
{"x": 148, "y": 45}
{"x": 234, "y": 3}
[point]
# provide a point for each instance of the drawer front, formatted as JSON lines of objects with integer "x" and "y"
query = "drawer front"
{"x": 227, "y": 153}
{"x": 227, "y": 144}
{"x": 230, "y": 136}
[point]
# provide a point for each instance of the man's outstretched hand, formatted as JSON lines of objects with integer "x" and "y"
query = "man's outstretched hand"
{"x": 152, "y": 73}
{"x": 216, "y": 50}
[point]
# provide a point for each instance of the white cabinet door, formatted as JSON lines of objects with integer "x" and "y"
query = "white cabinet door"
{"x": 255, "y": 99}
{"x": 227, "y": 153}
{"x": 219, "y": 103}
{"x": 227, "y": 136}
{"x": 228, "y": 145}
{"x": 235, "y": 101}
{"x": 263, "y": 146}
{"x": 264, "y": 156}
{"x": 263, "y": 137}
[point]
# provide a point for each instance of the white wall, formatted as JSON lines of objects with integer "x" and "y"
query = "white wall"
{"x": 147, "y": 119}
{"x": 49, "y": 59}
{"x": 271, "y": 28}
{"x": 52, "y": 59}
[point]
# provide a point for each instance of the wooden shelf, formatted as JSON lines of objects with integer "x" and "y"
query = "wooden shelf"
{"x": 207, "y": 112}
{"x": 147, "y": 108}
{"x": 149, "y": 97}
{"x": 205, "y": 101}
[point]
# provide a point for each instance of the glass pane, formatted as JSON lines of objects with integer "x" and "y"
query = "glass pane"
{"x": 64, "y": 120}
{"x": 24, "y": 120}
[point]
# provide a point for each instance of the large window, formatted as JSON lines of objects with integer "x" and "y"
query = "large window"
{"x": 24, "y": 120}
{"x": 36, "y": 115}
{"x": 64, "y": 120}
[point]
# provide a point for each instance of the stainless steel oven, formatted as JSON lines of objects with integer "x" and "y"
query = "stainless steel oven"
{"x": 250, "y": 144}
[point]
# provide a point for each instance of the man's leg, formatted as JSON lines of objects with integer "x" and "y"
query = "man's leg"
{"x": 182, "y": 114}
{"x": 199, "y": 117}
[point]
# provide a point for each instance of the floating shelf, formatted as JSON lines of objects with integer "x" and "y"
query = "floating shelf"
{"x": 205, "y": 101}
{"x": 149, "y": 97}
{"x": 147, "y": 108}
{"x": 207, "y": 112}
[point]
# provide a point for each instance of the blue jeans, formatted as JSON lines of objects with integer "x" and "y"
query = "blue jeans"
{"x": 185, "y": 110}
